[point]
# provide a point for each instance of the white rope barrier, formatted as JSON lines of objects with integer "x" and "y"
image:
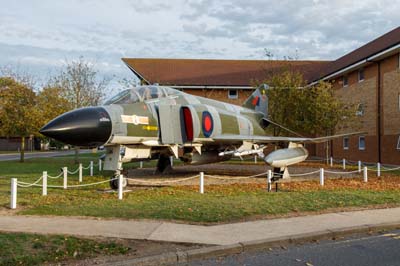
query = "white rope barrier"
{"x": 304, "y": 174}
{"x": 161, "y": 182}
{"x": 384, "y": 170}
{"x": 237, "y": 178}
{"x": 75, "y": 186}
{"x": 24, "y": 184}
{"x": 314, "y": 160}
{"x": 91, "y": 168}
{"x": 14, "y": 187}
{"x": 55, "y": 177}
{"x": 74, "y": 172}
{"x": 321, "y": 177}
{"x": 340, "y": 172}
{"x": 269, "y": 181}
{"x": 201, "y": 183}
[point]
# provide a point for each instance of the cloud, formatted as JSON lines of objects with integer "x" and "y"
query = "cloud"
{"x": 42, "y": 33}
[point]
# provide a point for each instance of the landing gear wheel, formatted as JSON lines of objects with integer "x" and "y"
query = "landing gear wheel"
{"x": 277, "y": 174}
{"x": 114, "y": 182}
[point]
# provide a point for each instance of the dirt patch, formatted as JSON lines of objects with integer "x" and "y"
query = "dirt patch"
{"x": 137, "y": 249}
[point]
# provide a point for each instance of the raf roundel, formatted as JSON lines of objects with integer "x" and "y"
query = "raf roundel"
{"x": 207, "y": 124}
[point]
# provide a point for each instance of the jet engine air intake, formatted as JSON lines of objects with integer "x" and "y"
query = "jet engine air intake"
{"x": 187, "y": 120}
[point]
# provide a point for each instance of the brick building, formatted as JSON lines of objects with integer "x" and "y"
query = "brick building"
{"x": 368, "y": 76}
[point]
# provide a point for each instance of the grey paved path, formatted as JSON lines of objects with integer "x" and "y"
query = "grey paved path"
{"x": 216, "y": 234}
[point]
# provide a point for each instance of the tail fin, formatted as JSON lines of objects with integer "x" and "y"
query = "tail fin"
{"x": 258, "y": 101}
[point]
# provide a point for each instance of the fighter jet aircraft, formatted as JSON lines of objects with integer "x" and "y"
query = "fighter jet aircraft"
{"x": 155, "y": 123}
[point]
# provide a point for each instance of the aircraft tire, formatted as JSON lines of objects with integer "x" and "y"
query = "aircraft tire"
{"x": 114, "y": 183}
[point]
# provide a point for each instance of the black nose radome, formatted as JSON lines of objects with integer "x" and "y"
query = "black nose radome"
{"x": 85, "y": 127}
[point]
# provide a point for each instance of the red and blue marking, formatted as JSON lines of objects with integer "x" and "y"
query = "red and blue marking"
{"x": 207, "y": 124}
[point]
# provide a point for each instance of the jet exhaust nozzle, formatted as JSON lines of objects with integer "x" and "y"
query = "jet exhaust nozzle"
{"x": 84, "y": 127}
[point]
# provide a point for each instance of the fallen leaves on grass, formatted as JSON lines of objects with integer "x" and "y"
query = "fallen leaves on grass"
{"x": 374, "y": 183}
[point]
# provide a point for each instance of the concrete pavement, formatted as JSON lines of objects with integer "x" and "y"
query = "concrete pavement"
{"x": 224, "y": 234}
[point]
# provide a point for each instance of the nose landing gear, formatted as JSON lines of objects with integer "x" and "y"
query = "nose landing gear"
{"x": 114, "y": 180}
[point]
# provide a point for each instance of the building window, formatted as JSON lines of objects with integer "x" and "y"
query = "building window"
{"x": 361, "y": 143}
{"x": 345, "y": 81}
{"x": 233, "y": 94}
{"x": 398, "y": 143}
{"x": 360, "y": 109}
{"x": 345, "y": 143}
{"x": 361, "y": 75}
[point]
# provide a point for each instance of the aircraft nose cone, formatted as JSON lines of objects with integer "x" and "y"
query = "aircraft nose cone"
{"x": 85, "y": 127}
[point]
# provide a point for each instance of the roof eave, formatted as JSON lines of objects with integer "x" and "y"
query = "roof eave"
{"x": 373, "y": 58}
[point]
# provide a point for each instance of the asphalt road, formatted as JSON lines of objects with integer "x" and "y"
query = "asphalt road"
{"x": 43, "y": 154}
{"x": 382, "y": 249}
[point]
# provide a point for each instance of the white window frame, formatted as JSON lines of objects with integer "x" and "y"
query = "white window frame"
{"x": 346, "y": 147}
{"x": 398, "y": 143}
{"x": 360, "y": 109}
{"x": 359, "y": 143}
{"x": 345, "y": 77}
{"x": 359, "y": 72}
{"x": 233, "y": 96}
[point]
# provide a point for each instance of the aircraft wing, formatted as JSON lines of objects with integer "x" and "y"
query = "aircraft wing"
{"x": 272, "y": 139}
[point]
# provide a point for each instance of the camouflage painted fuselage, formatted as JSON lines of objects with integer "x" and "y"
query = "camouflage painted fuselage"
{"x": 141, "y": 120}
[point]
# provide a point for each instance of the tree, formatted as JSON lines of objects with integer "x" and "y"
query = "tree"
{"x": 80, "y": 86}
{"x": 309, "y": 111}
{"x": 51, "y": 103}
{"x": 19, "y": 115}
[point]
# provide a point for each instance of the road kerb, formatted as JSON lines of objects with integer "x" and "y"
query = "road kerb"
{"x": 165, "y": 259}
{"x": 214, "y": 251}
{"x": 172, "y": 258}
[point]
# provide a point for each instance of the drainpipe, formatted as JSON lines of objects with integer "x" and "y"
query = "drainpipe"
{"x": 379, "y": 114}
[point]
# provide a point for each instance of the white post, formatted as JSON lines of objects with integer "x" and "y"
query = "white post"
{"x": 365, "y": 174}
{"x": 378, "y": 172}
{"x": 13, "y": 204}
{"x": 65, "y": 171}
{"x": 321, "y": 176}
{"x": 44, "y": 188}
{"x": 201, "y": 182}
{"x": 344, "y": 164}
{"x": 255, "y": 159}
{"x": 331, "y": 161}
{"x": 269, "y": 180}
{"x": 141, "y": 164}
{"x": 171, "y": 160}
{"x": 120, "y": 181}
{"x": 91, "y": 168}
{"x": 359, "y": 166}
{"x": 100, "y": 165}
{"x": 80, "y": 173}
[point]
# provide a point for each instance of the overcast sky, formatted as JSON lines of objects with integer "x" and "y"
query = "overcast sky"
{"x": 38, "y": 36}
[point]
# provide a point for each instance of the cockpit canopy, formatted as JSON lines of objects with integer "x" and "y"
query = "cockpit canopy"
{"x": 140, "y": 94}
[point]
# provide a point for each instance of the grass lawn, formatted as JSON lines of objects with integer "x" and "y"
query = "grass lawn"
{"x": 32, "y": 249}
{"x": 220, "y": 203}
